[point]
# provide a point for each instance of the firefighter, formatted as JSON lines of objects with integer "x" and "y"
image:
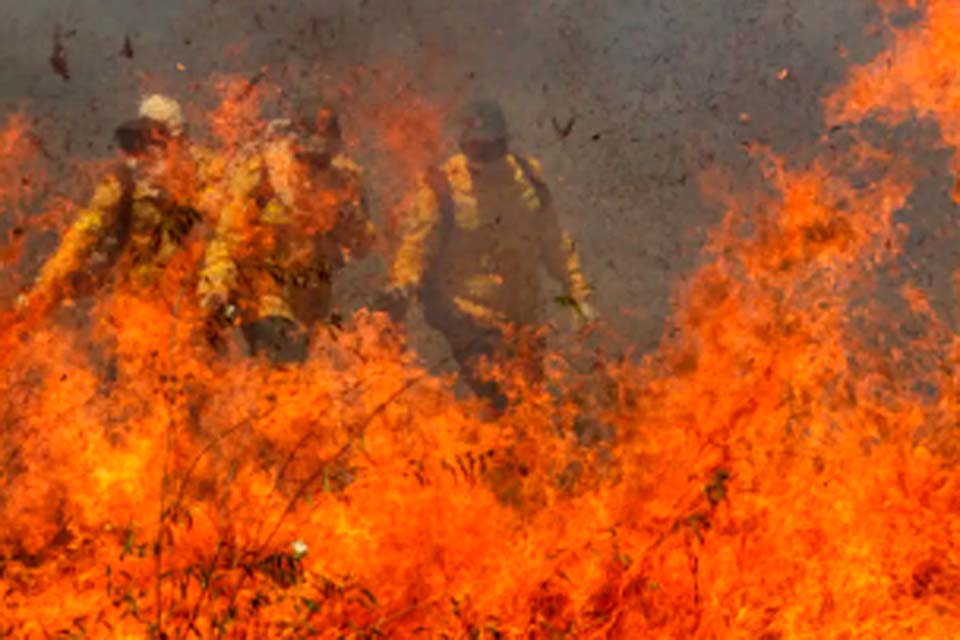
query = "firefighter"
{"x": 478, "y": 229}
{"x": 296, "y": 213}
{"x": 139, "y": 215}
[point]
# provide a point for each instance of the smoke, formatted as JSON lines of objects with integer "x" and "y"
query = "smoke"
{"x": 627, "y": 104}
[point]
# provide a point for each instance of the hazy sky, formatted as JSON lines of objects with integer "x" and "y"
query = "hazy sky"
{"x": 656, "y": 89}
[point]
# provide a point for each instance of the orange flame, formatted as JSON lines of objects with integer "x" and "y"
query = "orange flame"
{"x": 768, "y": 474}
{"x": 916, "y": 77}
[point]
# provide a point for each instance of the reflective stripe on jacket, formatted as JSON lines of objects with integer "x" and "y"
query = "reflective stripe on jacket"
{"x": 475, "y": 238}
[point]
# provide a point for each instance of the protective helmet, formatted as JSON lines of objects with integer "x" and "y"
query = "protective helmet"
{"x": 318, "y": 126}
{"x": 164, "y": 110}
{"x": 483, "y": 121}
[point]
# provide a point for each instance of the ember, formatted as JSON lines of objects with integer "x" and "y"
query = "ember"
{"x": 769, "y": 472}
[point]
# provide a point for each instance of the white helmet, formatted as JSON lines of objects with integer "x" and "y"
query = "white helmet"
{"x": 163, "y": 109}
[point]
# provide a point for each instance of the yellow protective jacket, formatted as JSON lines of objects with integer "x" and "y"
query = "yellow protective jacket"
{"x": 284, "y": 231}
{"x": 131, "y": 219}
{"x": 475, "y": 237}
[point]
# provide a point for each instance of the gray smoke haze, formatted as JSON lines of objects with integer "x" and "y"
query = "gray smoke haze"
{"x": 654, "y": 91}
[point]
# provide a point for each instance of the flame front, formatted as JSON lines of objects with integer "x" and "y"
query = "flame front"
{"x": 771, "y": 472}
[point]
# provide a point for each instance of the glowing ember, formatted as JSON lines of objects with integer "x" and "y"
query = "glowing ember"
{"x": 765, "y": 474}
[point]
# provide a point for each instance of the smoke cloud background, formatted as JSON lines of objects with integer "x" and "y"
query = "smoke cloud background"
{"x": 656, "y": 90}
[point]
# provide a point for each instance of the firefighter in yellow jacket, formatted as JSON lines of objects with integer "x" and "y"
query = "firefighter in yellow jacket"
{"x": 138, "y": 217}
{"x": 478, "y": 230}
{"x": 295, "y": 214}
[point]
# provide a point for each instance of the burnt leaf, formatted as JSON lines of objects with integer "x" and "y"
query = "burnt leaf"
{"x": 58, "y": 59}
{"x": 698, "y": 524}
{"x": 563, "y": 130}
{"x": 369, "y": 595}
{"x": 716, "y": 490}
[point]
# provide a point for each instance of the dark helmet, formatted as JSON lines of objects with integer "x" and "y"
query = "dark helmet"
{"x": 483, "y": 121}
{"x": 483, "y": 130}
{"x": 318, "y": 127}
{"x": 134, "y": 137}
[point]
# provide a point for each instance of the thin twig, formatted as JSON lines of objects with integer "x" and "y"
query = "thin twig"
{"x": 345, "y": 449}
{"x": 205, "y": 588}
{"x": 324, "y": 466}
{"x": 196, "y": 461}
{"x": 296, "y": 447}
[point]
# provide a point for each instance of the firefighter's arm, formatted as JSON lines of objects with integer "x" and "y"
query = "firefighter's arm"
{"x": 577, "y": 285}
{"x": 355, "y": 230}
{"x": 219, "y": 273}
{"x": 559, "y": 253}
{"x": 75, "y": 247}
{"x": 207, "y": 194}
{"x": 415, "y": 246}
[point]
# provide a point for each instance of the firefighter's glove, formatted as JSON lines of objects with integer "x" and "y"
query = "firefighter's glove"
{"x": 221, "y": 312}
{"x": 587, "y": 312}
{"x": 581, "y": 310}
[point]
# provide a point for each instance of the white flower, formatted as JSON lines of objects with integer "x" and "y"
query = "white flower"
{"x": 300, "y": 549}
